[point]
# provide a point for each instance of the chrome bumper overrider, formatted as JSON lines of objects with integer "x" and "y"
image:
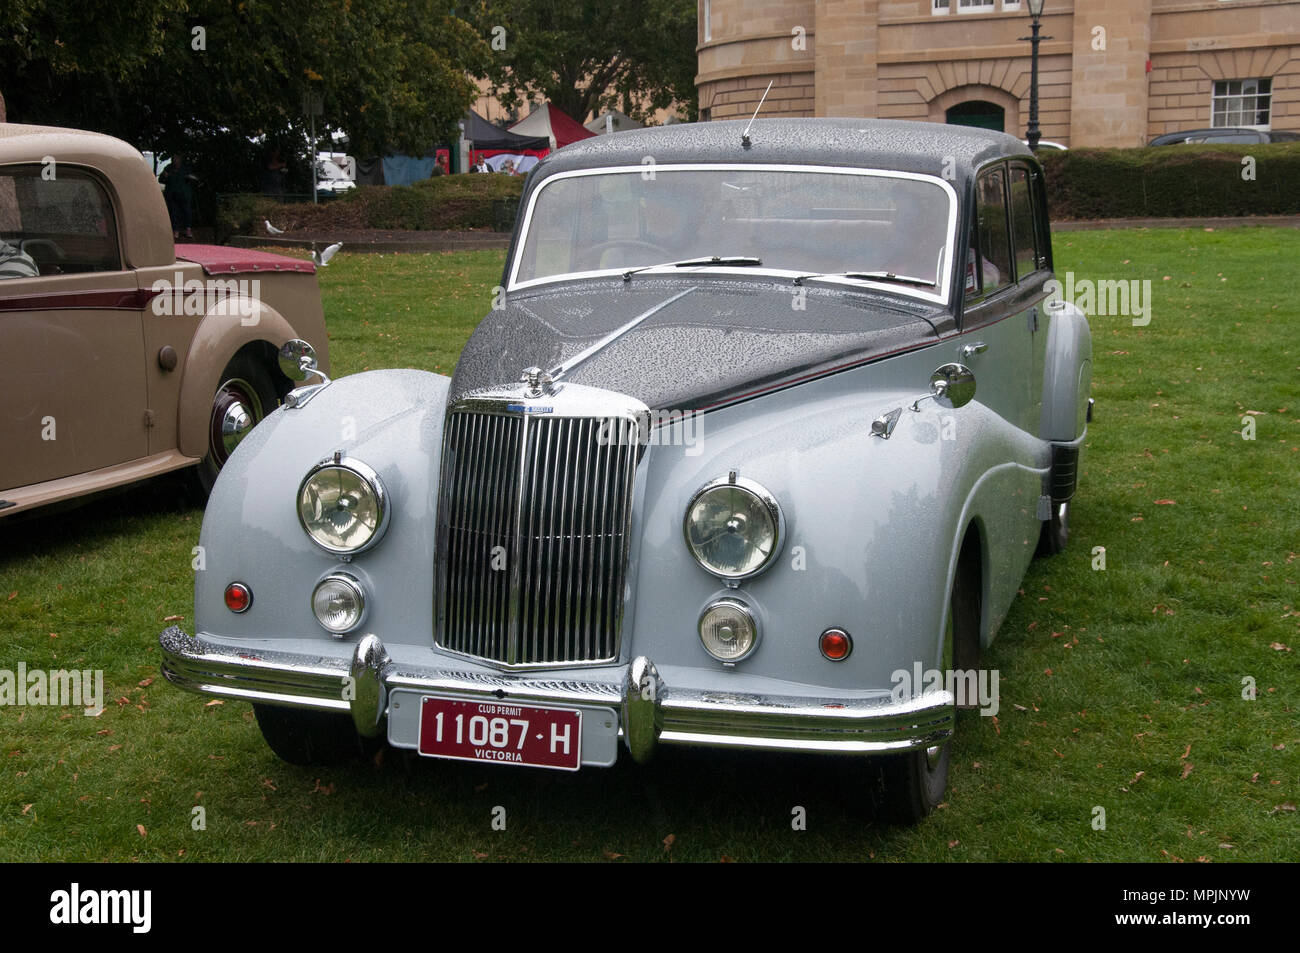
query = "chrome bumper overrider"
{"x": 651, "y": 712}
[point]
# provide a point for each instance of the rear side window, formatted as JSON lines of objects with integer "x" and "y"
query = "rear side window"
{"x": 990, "y": 266}
{"x": 59, "y": 218}
{"x": 1025, "y": 233}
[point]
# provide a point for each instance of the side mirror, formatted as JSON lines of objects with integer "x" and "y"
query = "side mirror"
{"x": 297, "y": 359}
{"x": 952, "y": 385}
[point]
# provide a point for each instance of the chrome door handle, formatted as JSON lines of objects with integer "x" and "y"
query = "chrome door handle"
{"x": 967, "y": 350}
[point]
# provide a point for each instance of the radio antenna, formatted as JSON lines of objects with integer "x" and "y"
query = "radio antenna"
{"x": 744, "y": 136}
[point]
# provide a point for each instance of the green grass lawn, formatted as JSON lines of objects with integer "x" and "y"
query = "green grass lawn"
{"x": 1121, "y": 688}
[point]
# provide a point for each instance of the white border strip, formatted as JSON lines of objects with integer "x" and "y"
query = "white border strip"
{"x": 941, "y": 298}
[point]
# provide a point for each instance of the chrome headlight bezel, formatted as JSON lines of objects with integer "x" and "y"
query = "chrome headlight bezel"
{"x": 358, "y": 594}
{"x": 770, "y": 507}
{"x": 740, "y": 607}
{"x": 373, "y": 484}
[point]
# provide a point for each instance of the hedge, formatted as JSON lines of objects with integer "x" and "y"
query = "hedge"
{"x": 1173, "y": 181}
{"x": 449, "y": 202}
{"x": 1162, "y": 182}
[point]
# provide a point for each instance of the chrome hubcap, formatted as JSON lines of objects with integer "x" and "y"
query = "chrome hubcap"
{"x": 236, "y": 409}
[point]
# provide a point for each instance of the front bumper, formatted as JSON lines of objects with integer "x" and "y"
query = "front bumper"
{"x": 649, "y": 711}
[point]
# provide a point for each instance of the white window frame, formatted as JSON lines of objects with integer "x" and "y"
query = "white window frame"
{"x": 943, "y": 267}
{"x": 1227, "y": 97}
{"x": 940, "y": 8}
{"x": 976, "y": 6}
{"x": 1010, "y": 6}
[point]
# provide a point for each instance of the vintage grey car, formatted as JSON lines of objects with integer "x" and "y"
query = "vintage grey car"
{"x": 752, "y": 451}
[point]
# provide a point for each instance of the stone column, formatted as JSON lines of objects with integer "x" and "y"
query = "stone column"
{"x": 1108, "y": 87}
{"x": 846, "y": 82}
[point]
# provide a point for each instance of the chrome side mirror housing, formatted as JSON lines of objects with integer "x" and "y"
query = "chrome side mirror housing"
{"x": 951, "y": 385}
{"x": 298, "y": 360}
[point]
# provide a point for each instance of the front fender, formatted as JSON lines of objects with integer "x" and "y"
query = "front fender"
{"x": 391, "y": 420}
{"x": 873, "y": 529}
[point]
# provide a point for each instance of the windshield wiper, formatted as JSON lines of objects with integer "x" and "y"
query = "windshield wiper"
{"x": 870, "y": 276}
{"x": 738, "y": 261}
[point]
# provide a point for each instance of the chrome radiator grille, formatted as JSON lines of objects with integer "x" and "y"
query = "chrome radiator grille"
{"x": 533, "y": 528}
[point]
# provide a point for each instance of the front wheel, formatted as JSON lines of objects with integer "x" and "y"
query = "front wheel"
{"x": 309, "y": 737}
{"x": 910, "y": 786}
{"x": 244, "y": 396}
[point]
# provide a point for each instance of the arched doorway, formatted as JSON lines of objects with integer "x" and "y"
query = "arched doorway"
{"x": 979, "y": 113}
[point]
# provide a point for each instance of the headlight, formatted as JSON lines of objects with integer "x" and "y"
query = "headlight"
{"x": 734, "y": 527}
{"x": 728, "y": 630}
{"x": 342, "y": 506}
{"x": 338, "y": 603}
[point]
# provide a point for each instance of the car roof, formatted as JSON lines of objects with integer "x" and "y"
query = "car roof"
{"x": 953, "y": 152}
{"x": 144, "y": 231}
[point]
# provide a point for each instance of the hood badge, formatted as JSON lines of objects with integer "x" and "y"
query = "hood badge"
{"x": 538, "y": 382}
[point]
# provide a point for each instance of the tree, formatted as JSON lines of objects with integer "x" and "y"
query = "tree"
{"x": 584, "y": 55}
{"x": 218, "y": 77}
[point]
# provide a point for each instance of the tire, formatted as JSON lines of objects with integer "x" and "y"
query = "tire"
{"x": 1056, "y": 531}
{"x": 910, "y": 786}
{"x": 245, "y": 395}
{"x": 309, "y": 737}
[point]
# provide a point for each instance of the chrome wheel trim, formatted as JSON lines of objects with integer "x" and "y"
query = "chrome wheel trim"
{"x": 935, "y": 752}
{"x": 236, "y": 409}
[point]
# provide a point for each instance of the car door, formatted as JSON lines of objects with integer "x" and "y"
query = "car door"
{"x": 996, "y": 335}
{"x": 1031, "y": 240}
{"x": 72, "y": 388}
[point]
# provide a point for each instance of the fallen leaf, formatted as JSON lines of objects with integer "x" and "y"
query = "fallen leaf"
{"x": 1186, "y": 753}
{"x": 953, "y": 843}
{"x": 611, "y": 855}
{"x": 146, "y": 682}
{"x": 27, "y": 807}
{"x": 140, "y": 828}
{"x": 215, "y": 701}
{"x": 1187, "y": 769}
{"x": 1165, "y": 502}
{"x": 669, "y": 841}
{"x": 173, "y": 618}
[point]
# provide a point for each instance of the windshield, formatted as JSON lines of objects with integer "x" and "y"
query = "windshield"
{"x": 796, "y": 221}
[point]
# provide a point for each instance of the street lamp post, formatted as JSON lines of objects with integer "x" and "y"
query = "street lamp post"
{"x": 1032, "y": 134}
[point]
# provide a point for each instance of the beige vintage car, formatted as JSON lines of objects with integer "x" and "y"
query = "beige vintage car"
{"x": 122, "y": 354}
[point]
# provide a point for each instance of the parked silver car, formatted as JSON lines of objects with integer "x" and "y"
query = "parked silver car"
{"x": 752, "y": 451}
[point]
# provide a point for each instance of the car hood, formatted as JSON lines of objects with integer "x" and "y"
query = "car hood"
{"x": 721, "y": 341}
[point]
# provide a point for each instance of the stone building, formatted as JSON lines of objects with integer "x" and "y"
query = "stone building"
{"x": 1111, "y": 73}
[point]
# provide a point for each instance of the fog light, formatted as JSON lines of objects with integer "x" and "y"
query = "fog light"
{"x": 836, "y": 644}
{"x": 339, "y": 603}
{"x": 238, "y": 597}
{"x": 728, "y": 630}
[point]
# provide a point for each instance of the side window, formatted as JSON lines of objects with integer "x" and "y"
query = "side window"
{"x": 55, "y": 221}
{"x": 1026, "y": 238}
{"x": 990, "y": 267}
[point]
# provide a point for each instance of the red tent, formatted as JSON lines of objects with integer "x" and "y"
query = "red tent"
{"x": 548, "y": 121}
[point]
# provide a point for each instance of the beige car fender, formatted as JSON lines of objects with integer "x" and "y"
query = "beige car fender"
{"x": 226, "y": 327}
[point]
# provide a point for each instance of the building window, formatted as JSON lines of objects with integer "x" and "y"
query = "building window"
{"x": 1241, "y": 102}
{"x": 939, "y": 7}
{"x": 707, "y": 20}
{"x": 975, "y": 6}
{"x": 1010, "y": 6}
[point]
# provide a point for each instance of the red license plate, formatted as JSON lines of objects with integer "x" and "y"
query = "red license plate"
{"x": 501, "y": 733}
